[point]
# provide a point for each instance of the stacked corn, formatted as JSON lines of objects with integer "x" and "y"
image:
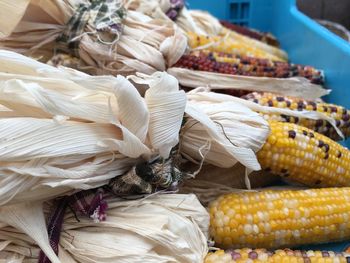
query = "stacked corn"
{"x": 338, "y": 113}
{"x": 247, "y": 66}
{"x": 230, "y": 45}
{"x": 280, "y": 218}
{"x": 278, "y": 256}
{"x": 264, "y": 37}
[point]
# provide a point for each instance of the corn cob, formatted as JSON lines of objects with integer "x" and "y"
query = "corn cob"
{"x": 246, "y": 66}
{"x": 286, "y": 256}
{"x": 227, "y": 33}
{"x": 338, "y": 113}
{"x": 304, "y": 156}
{"x": 263, "y": 37}
{"x": 229, "y": 45}
{"x": 280, "y": 218}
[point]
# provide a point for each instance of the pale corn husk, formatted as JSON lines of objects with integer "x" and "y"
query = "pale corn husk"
{"x": 160, "y": 228}
{"x": 296, "y": 87}
{"x": 138, "y": 49}
{"x": 202, "y": 94}
{"x": 62, "y": 131}
{"x": 222, "y": 133}
{"x": 213, "y": 181}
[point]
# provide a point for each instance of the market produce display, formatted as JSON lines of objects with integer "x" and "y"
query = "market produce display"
{"x": 144, "y": 131}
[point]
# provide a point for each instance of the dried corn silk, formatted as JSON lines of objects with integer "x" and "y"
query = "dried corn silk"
{"x": 160, "y": 228}
{"x": 107, "y": 38}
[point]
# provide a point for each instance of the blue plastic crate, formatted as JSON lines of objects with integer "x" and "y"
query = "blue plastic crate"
{"x": 306, "y": 42}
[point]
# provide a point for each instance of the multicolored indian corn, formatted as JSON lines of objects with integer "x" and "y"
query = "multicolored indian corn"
{"x": 229, "y": 45}
{"x": 247, "y": 66}
{"x": 304, "y": 156}
{"x": 280, "y": 218}
{"x": 263, "y": 37}
{"x": 338, "y": 113}
{"x": 247, "y": 255}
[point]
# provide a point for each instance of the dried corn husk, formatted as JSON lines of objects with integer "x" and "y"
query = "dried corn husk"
{"x": 296, "y": 87}
{"x": 137, "y": 49}
{"x": 222, "y": 133}
{"x": 213, "y": 181}
{"x": 62, "y": 131}
{"x": 160, "y": 228}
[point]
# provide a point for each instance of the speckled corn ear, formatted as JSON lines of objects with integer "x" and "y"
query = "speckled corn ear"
{"x": 280, "y": 218}
{"x": 229, "y": 45}
{"x": 286, "y": 256}
{"x": 338, "y": 113}
{"x": 247, "y": 66}
{"x": 304, "y": 156}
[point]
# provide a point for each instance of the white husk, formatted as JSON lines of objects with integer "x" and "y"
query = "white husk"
{"x": 200, "y": 94}
{"x": 142, "y": 47}
{"x": 160, "y": 228}
{"x": 296, "y": 87}
{"x": 166, "y": 105}
{"x": 222, "y": 133}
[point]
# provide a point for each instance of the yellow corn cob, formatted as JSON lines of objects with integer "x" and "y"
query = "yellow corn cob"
{"x": 280, "y": 218}
{"x": 279, "y": 256}
{"x": 228, "y": 45}
{"x": 338, "y": 113}
{"x": 255, "y": 43}
{"x": 304, "y": 156}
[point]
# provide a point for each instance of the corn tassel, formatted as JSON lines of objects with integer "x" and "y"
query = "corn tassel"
{"x": 338, "y": 113}
{"x": 229, "y": 45}
{"x": 277, "y": 256}
{"x": 280, "y": 218}
{"x": 304, "y": 156}
{"x": 246, "y": 66}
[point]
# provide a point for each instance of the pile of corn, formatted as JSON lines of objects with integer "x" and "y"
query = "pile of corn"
{"x": 133, "y": 139}
{"x": 251, "y": 224}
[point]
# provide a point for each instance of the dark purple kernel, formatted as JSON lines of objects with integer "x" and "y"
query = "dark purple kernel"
{"x": 320, "y": 143}
{"x": 270, "y": 103}
{"x": 339, "y": 154}
{"x": 279, "y": 99}
{"x": 346, "y": 117}
{"x": 296, "y": 119}
{"x": 256, "y": 101}
{"x": 319, "y": 123}
{"x": 325, "y": 109}
{"x": 325, "y": 254}
{"x": 347, "y": 259}
{"x": 305, "y": 133}
{"x": 288, "y": 103}
{"x": 292, "y": 134}
{"x": 344, "y": 111}
{"x": 253, "y": 255}
{"x": 337, "y": 123}
{"x": 312, "y": 135}
{"x": 326, "y": 156}
{"x": 334, "y": 109}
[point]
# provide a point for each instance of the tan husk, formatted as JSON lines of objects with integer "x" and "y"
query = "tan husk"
{"x": 296, "y": 87}
{"x": 160, "y": 228}
{"x": 138, "y": 49}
